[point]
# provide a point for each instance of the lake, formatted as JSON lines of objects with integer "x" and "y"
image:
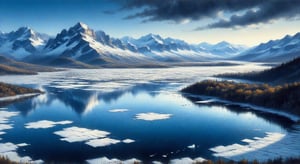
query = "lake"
{"x": 107, "y": 115}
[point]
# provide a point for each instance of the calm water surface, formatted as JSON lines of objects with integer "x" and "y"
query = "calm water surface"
{"x": 85, "y": 97}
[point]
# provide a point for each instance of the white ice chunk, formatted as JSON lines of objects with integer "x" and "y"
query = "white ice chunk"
{"x": 102, "y": 142}
{"x": 43, "y": 124}
{"x": 118, "y": 110}
{"x": 187, "y": 160}
{"x": 105, "y": 160}
{"x": 5, "y": 126}
{"x": 253, "y": 145}
{"x": 5, "y": 115}
{"x": 192, "y": 146}
{"x": 76, "y": 134}
{"x": 152, "y": 116}
{"x": 128, "y": 141}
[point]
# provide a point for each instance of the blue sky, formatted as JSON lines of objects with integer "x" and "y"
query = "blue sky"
{"x": 240, "y": 22}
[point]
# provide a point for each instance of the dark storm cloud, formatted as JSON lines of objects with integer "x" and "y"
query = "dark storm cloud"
{"x": 254, "y": 11}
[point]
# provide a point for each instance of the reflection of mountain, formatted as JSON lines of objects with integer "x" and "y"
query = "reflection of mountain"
{"x": 79, "y": 100}
{"x": 82, "y": 101}
{"x": 269, "y": 117}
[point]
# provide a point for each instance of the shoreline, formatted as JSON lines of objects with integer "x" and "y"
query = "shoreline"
{"x": 209, "y": 99}
{"x": 16, "y": 97}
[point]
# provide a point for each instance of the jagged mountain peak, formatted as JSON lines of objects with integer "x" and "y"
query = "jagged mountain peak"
{"x": 151, "y": 36}
{"x": 81, "y": 28}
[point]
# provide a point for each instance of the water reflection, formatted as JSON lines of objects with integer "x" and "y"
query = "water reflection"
{"x": 284, "y": 122}
{"x": 82, "y": 101}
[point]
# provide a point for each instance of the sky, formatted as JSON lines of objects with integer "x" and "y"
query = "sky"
{"x": 247, "y": 22}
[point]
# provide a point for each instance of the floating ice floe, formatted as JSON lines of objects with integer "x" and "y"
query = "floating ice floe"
{"x": 94, "y": 138}
{"x": 152, "y": 116}
{"x": 192, "y": 146}
{"x": 118, "y": 110}
{"x": 5, "y": 115}
{"x": 76, "y": 134}
{"x": 102, "y": 142}
{"x": 234, "y": 150}
{"x": 9, "y": 150}
{"x": 4, "y": 120}
{"x": 5, "y": 127}
{"x": 43, "y": 124}
{"x": 187, "y": 160}
{"x": 128, "y": 141}
{"x": 105, "y": 160}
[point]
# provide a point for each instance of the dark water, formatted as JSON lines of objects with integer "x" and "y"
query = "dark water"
{"x": 202, "y": 125}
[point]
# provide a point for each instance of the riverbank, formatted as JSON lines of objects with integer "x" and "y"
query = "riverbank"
{"x": 261, "y": 96}
{"x": 9, "y": 92}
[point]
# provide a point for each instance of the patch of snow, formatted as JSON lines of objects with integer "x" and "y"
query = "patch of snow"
{"x": 152, "y": 116}
{"x": 43, "y": 124}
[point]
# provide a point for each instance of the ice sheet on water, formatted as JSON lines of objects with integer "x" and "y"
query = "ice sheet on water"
{"x": 5, "y": 115}
{"x": 43, "y": 124}
{"x": 231, "y": 151}
{"x": 102, "y": 142}
{"x": 9, "y": 150}
{"x": 112, "y": 161}
{"x": 187, "y": 160}
{"x": 77, "y": 134}
{"x": 152, "y": 116}
{"x": 128, "y": 141}
{"x": 118, "y": 110}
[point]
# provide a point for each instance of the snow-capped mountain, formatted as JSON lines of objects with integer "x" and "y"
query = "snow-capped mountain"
{"x": 279, "y": 50}
{"x": 21, "y": 43}
{"x": 223, "y": 48}
{"x": 86, "y": 46}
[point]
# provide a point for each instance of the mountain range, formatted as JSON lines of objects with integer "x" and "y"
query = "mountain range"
{"x": 281, "y": 50}
{"x": 82, "y": 47}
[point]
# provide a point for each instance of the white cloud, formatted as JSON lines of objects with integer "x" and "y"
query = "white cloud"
{"x": 152, "y": 116}
{"x": 43, "y": 124}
